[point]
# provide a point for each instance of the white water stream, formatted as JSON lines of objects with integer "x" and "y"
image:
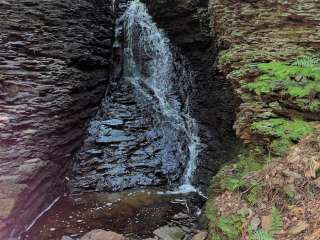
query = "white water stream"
{"x": 157, "y": 73}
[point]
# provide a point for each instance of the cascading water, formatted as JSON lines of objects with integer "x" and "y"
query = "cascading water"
{"x": 160, "y": 75}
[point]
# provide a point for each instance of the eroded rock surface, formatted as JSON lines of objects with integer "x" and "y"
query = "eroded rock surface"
{"x": 123, "y": 148}
{"x": 55, "y": 58}
{"x": 251, "y": 32}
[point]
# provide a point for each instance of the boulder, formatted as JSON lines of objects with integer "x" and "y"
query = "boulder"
{"x": 66, "y": 238}
{"x": 99, "y": 234}
{"x": 200, "y": 236}
{"x": 169, "y": 233}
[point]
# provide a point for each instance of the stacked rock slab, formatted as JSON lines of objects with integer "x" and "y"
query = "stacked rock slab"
{"x": 123, "y": 149}
{"x": 55, "y": 59}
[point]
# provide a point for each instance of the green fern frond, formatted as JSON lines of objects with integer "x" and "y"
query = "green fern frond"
{"x": 306, "y": 61}
{"x": 261, "y": 235}
{"x": 276, "y": 221}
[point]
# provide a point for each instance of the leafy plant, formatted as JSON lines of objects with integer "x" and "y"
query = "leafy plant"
{"x": 232, "y": 183}
{"x": 314, "y": 106}
{"x": 306, "y": 61}
{"x": 210, "y": 211}
{"x": 261, "y": 235}
{"x": 247, "y": 163}
{"x": 254, "y": 194}
{"x": 215, "y": 237}
{"x": 300, "y": 79}
{"x": 276, "y": 226}
{"x": 276, "y": 221}
{"x": 231, "y": 226}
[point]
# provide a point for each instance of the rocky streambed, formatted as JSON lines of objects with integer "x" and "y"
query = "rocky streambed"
{"x": 136, "y": 214}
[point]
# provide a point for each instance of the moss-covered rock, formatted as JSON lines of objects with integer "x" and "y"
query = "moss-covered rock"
{"x": 262, "y": 55}
{"x": 284, "y": 133}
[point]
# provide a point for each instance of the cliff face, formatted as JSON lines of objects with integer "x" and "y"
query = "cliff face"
{"x": 269, "y": 53}
{"x": 55, "y": 59}
{"x": 253, "y": 32}
{"x": 213, "y": 103}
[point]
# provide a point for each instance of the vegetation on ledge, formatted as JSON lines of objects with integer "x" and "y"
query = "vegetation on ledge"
{"x": 285, "y": 132}
{"x": 259, "y": 198}
{"x": 297, "y": 80}
{"x": 234, "y": 178}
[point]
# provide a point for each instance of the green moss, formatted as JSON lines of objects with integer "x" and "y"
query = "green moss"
{"x": 215, "y": 237}
{"x": 248, "y": 162}
{"x": 314, "y": 106}
{"x": 210, "y": 210}
{"x": 280, "y": 146}
{"x": 285, "y": 132}
{"x": 300, "y": 79}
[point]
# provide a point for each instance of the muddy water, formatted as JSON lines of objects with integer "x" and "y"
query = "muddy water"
{"x": 133, "y": 213}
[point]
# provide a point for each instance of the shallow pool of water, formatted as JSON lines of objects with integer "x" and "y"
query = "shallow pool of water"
{"x": 133, "y": 213}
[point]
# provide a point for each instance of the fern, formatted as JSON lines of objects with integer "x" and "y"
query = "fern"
{"x": 254, "y": 194}
{"x": 231, "y": 226}
{"x": 285, "y": 132}
{"x": 306, "y": 61}
{"x": 232, "y": 183}
{"x": 261, "y": 235}
{"x": 276, "y": 221}
{"x": 298, "y": 80}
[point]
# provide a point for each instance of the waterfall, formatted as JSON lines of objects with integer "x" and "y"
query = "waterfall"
{"x": 163, "y": 78}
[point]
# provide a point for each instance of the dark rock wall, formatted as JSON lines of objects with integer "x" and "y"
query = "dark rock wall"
{"x": 187, "y": 24}
{"x": 55, "y": 59}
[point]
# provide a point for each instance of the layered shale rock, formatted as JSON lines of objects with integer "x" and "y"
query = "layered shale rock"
{"x": 253, "y": 32}
{"x": 213, "y": 104}
{"x": 123, "y": 148}
{"x": 269, "y": 52}
{"x": 55, "y": 59}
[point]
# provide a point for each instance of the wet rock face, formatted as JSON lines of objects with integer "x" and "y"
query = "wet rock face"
{"x": 213, "y": 103}
{"x": 140, "y": 135}
{"x": 55, "y": 59}
{"x": 123, "y": 148}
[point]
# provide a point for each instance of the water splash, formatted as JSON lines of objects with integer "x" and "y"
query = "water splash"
{"x": 158, "y": 73}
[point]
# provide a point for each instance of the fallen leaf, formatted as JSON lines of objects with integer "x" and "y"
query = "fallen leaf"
{"x": 313, "y": 167}
{"x": 297, "y": 211}
{"x": 266, "y": 222}
{"x": 314, "y": 236}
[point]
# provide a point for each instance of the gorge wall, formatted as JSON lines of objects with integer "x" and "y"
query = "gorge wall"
{"x": 253, "y": 32}
{"x": 213, "y": 102}
{"x": 269, "y": 52}
{"x": 55, "y": 60}
{"x": 56, "y": 63}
